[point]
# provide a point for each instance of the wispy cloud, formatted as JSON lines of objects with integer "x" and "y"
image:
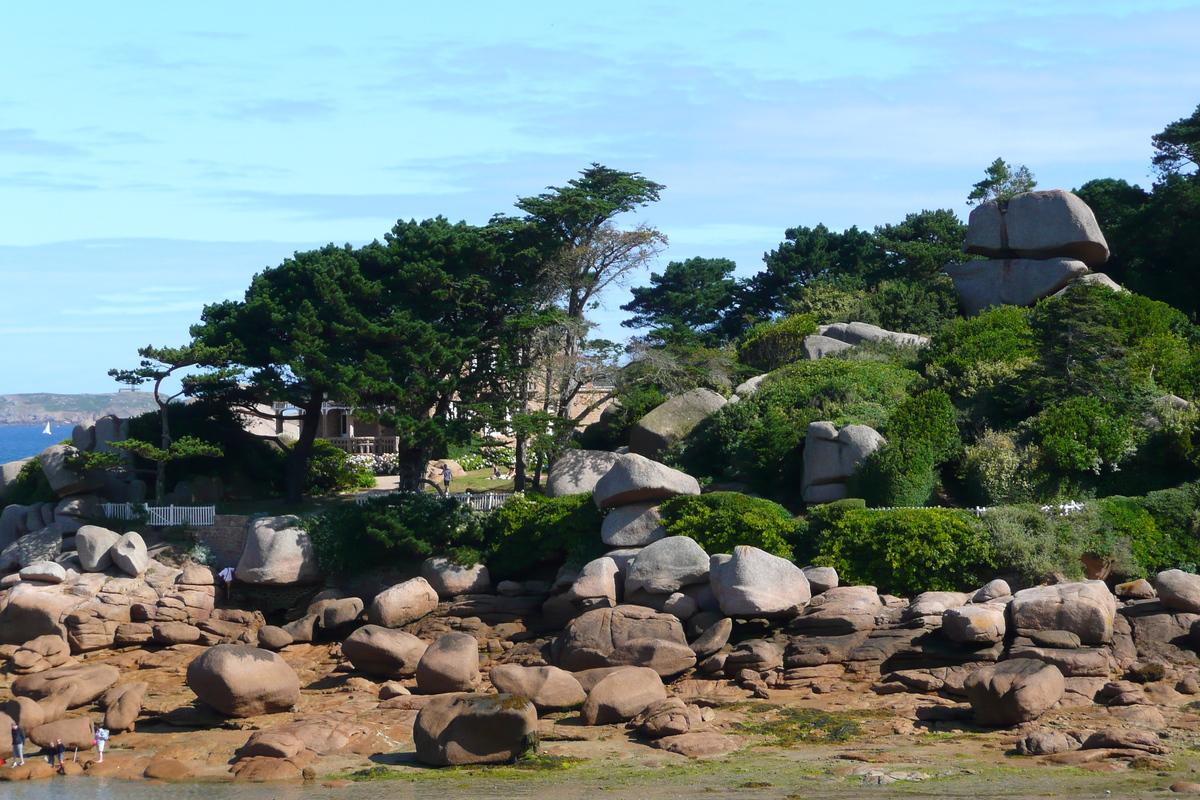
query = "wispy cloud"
{"x": 25, "y": 142}
{"x": 41, "y": 179}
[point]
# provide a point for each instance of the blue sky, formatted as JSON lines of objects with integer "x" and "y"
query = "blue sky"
{"x": 154, "y": 156}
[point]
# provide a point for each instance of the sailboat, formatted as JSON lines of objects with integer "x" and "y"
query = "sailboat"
{"x": 47, "y": 431}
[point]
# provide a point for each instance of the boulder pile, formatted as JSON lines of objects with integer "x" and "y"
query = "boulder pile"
{"x": 1037, "y": 243}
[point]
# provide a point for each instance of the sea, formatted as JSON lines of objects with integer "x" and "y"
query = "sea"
{"x": 23, "y": 441}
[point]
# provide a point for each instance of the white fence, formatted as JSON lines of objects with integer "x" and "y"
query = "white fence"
{"x": 479, "y": 502}
{"x": 163, "y": 516}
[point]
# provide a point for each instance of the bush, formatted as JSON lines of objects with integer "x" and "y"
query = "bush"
{"x": 758, "y": 441}
{"x": 331, "y": 471}
{"x": 771, "y": 345}
{"x": 902, "y": 552}
{"x": 921, "y": 434}
{"x": 996, "y": 471}
{"x": 389, "y": 530}
{"x": 1084, "y": 434}
{"x": 30, "y": 487}
{"x": 1030, "y": 544}
{"x": 530, "y": 529}
{"x": 720, "y": 521}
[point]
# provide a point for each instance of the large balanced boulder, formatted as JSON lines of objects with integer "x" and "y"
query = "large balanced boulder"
{"x": 450, "y": 580}
{"x": 403, "y": 603}
{"x": 1179, "y": 590}
{"x": 460, "y": 729}
{"x": 548, "y": 688}
{"x": 599, "y": 638}
{"x": 667, "y": 565}
{"x": 636, "y": 479}
{"x": 1039, "y": 225}
{"x": 382, "y": 651}
{"x": 1014, "y": 691}
{"x": 832, "y": 456}
{"x": 278, "y": 553}
{"x": 577, "y": 471}
{"x": 672, "y": 421}
{"x": 622, "y": 695}
{"x": 129, "y": 554}
{"x": 450, "y": 664}
{"x": 62, "y": 478}
{"x": 634, "y": 525}
{"x": 243, "y": 681}
{"x": 94, "y": 544}
{"x": 1014, "y": 282}
{"x": 1086, "y": 609}
{"x": 754, "y": 583}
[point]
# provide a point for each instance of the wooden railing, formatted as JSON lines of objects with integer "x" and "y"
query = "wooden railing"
{"x": 163, "y": 516}
{"x": 366, "y": 445}
{"x": 479, "y": 502}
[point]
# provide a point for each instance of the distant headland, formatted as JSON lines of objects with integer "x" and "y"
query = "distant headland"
{"x": 71, "y": 409}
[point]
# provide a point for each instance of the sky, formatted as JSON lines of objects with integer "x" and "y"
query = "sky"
{"x": 155, "y": 156}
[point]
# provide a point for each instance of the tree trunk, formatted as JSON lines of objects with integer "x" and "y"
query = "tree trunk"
{"x": 160, "y": 468}
{"x": 297, "y": 465}
{"x": 519, "y": 467}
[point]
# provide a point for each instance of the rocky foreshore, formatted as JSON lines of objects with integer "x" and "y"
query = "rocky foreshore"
{"x": 658, "y": 645}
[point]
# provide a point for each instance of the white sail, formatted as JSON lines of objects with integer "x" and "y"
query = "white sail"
{"x": 47, "y": 431}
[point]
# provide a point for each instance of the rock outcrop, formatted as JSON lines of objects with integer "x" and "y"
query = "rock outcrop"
{"x": 832, "y": 456}
{"x": 672, "y": 421}
{"x": 242, "y": 681}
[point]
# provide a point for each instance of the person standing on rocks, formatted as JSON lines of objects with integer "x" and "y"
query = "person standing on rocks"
{"x": 226, "y": 576}
{"x": 18, "y": 745}
{"x": 101, "y": 740}
{"x": 57, "y": 754}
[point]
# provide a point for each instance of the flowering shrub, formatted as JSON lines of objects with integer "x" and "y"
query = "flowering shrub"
{"x": 377, "y": 464}
{"x": 471, "y": 461}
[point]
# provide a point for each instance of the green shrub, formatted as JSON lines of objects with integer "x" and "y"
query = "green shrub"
{"x": 1127, "y": 527}
{"x": 921, "y": 434}
{"x": 389, "y": 530}
{"x": 758, "y": 441}
{"x": 1177, "y": 513}
{"x": 720, "y": 521}
{"x": 1084, "y": 434}
{"x": 904, "y": 551}
{"x": 1031, "y": 544}
{"x": 30, "y": 487}
{"x": 996, "y": 471}
{"x": 530, "y": 529}
{"x": 770, "y": 345}
{"x": 331, "y": 471}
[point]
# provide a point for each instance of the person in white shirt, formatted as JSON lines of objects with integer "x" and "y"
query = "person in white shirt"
{"x": 226, "y": 575}
{"x": 101, "y": 740}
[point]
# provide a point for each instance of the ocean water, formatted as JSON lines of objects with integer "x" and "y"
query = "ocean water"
{"x": 23, "y": 441}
